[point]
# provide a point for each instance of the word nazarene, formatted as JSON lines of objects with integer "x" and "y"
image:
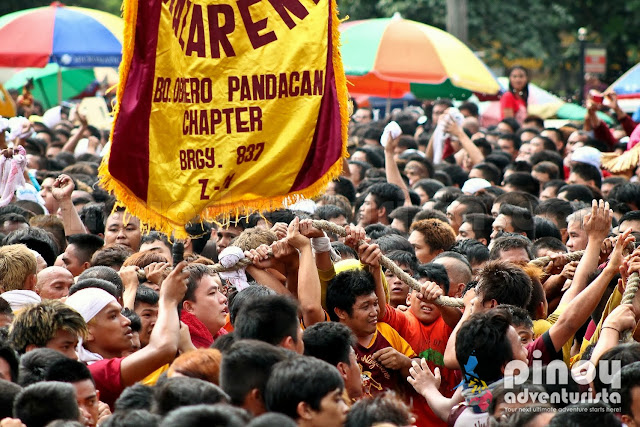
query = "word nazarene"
{"x": 220, "y": 24}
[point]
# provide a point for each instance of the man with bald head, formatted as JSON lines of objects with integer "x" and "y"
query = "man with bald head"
{"x": 458, "y": 270}
{"x": 54, "y": 283}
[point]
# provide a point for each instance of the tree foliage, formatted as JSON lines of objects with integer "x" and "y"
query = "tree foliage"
{"x": 536, "y": 32}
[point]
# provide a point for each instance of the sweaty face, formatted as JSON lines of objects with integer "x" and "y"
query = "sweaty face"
{"x": 65, "y": 342}
{"x": 109, "y": 332}
{"x": 87, "y": 398}
{"x": 577, "y": 237}
{"x": 124, "y": 229}
{"x": 210, "y": 305}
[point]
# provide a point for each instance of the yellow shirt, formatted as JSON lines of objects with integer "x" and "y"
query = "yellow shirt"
{"x": 344, "y": 265}
{"x": 543, "y": 325}
{"x": 152, "y": 378}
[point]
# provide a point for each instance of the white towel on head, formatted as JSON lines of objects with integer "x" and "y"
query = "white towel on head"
{"x": 88, "y": 302}
{"x": 20, "y": 298}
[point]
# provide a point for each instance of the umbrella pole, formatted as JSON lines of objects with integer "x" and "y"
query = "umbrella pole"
{"x": 59, "y": 84}
{"x": 44, "y": 94}
{"x": 389, "y": 101}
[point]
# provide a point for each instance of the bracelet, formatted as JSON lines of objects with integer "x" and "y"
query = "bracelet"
{"x": 321, "y": 244}
{"x": 611, "y": 327}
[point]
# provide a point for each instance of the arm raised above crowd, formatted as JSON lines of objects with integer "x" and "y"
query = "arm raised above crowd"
{"x": 391, "y": 169}
{"x": 63, "y": 186}
{"x": 597, "y": 225}
{"x": 578, "y": 312}
{"x": 309, "y": 289}
{"x": 163, "y": 343}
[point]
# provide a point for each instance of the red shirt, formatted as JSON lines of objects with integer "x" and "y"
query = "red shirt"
{"x": 544, "y": 350}
{"x": 430, "y": 342}
{"x": 515, "y": 103}
{"x": 106, "y": 374}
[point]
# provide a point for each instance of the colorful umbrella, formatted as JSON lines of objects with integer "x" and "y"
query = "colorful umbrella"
{"x": 392, "y": 56}
{"x": 69, "y": 36}
{"x": 540, "y": 103}
{"x": 45, "y": 81}
{"x": 628, "y": 85}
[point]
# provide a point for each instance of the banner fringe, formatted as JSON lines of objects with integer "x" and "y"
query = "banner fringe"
{"x": 223, "y": 213}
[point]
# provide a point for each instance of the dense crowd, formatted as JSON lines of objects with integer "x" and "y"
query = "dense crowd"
{"x": 101, "y": 323}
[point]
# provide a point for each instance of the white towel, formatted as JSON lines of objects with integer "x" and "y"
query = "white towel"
{"x": 440, "y": 136}
{"x": 20, "y": 298}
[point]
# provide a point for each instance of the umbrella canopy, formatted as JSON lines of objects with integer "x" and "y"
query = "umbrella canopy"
{"x": 628, "y": 85}
{"x": 69, "y": 36}
{"x": 392, "y": 56}
{"x": 540, "y": 103}
{"x": 45, "y": 81}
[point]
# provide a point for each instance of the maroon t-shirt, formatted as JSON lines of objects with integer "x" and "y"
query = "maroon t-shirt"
{"x": 106, "y": 374}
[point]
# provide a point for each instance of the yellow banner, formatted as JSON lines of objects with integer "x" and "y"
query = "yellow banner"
{"x": 225, "y": 107}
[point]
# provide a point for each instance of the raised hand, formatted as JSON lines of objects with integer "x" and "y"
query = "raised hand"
{"x": 370, "y": 255}
{"x": 422, "y": 379}
{"x": 63, "y": 186}
{"x": 175, "y": 285}
{"x": 597, "y": 223}
{"x": 294, "y": 237}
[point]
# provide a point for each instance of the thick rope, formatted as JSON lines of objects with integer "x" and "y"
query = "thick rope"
{"x": 544, "y": 260}
{"x": 385, "y": 262}
{"x": 633, "y": 283}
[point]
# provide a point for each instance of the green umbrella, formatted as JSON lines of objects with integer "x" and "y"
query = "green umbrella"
{"x": 45, "y": 81}
{"x": 575, "y": 112}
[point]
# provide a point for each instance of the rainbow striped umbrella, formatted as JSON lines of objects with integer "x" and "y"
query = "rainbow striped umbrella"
{"x": 392, "y": 56}
{"x": 68, "y": 36}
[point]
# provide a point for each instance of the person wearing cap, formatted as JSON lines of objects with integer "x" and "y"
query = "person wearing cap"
{"x": 473, "y": 185}
{"x": 109, "y": 335}
{"x": 589, "y": 155}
